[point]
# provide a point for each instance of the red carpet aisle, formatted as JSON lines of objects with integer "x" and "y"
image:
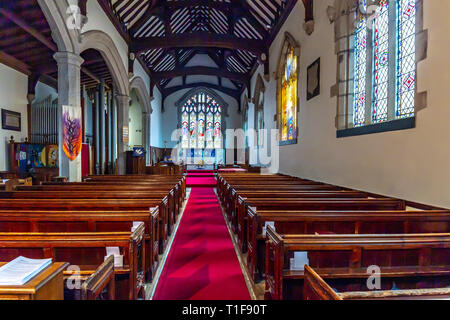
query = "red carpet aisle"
{"x": 199, "y": 178}
{"x": 202, "y": 263}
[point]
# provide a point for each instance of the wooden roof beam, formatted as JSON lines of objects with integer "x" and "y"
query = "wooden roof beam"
{"x": 198, "y": 39}
{"x": 207, "y": 71}
{"x": 232, "y": 93}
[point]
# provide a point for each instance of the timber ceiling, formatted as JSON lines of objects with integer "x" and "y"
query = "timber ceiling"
{"x": 27, "y": 46}
{"x": 167, "y": 34}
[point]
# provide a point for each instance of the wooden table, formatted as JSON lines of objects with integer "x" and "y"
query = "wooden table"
{"x": 47, "y": 285}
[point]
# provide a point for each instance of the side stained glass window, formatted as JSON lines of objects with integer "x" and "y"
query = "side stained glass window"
{"x": 406, "y": 59}
{"x": 391, "y": 25}
{"x": 381, "y": 63}
{"x": 359, "y": 103}
{"x": 289, "y": 96}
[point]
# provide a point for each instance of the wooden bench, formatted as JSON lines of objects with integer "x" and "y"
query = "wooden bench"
{"x": 336, "y": 222}
{"x": 316, "y": 288}
{"x": 90, "y": 221}
{"x": 348, "y": 257}
{"x": 231, "y": 206}
{"x": 318, "y": 204}
{"x": 166, "y": 222}
{"x": 103, "y": 279}
{"x": 86, "y": 250}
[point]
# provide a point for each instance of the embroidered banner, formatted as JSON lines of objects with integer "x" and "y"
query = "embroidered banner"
{"x": 72, "y": 131}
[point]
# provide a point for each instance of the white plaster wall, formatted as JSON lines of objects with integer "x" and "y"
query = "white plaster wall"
{"x": 410, "y": 164}
{"x": 98, "y": 20}
{"x": 156, "y": 120}
{"x": 13, "y": 90}
{"x": 135, "y": 125}
{"x": 139, "y": 71}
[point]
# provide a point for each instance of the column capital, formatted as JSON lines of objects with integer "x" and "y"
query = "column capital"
{"x": 68, "y": 58}
{"x": 123, "y": 99}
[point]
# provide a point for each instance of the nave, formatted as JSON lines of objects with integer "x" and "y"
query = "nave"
{"x": 224, "y": 150}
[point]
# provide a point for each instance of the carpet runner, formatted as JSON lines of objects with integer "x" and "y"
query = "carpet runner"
{"x": 202, "y": 263}
{"x": 205, "y": 179}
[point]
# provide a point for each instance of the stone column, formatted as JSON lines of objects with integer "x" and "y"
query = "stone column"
{"x": 101, "y": 115}
{"x": 69, "y": 94}
{"x": 97, "y": 132}
{"x": 123, "y": 131}
{"x": 146, "y": 122}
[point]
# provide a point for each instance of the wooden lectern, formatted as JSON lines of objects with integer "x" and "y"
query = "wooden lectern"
{"x": 47, "y": 285}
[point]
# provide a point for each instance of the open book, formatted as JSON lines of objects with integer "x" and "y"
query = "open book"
{"x": 21, "y": 270}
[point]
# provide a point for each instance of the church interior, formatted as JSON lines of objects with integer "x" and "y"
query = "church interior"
{"x": 228, "y": 150}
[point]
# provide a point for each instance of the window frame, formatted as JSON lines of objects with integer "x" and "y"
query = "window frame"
{"x": 393, "y": 123}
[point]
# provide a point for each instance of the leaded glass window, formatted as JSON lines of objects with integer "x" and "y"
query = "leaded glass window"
{"x": 201, "y": 123}
{"x": 359, "y": 103}
{"x": 406, "y": 60}
{"x": 289, "y": 97}
{"x": 381, "y": 63}
{"x": 390, "y": 57}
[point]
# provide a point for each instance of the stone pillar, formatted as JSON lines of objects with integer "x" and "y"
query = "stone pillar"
{"x": 146, "y": 119}
{"x": 114, "y": 127}
{"x": 123, "y": 131}
{"x": 97, "y": 132}
{"x": 69, "y": 94}
{"x": 101, "y": 113}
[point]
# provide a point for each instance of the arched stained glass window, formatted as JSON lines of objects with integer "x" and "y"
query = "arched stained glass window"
{"x": 288, "y": 98}
{"x": 201, "y": 122}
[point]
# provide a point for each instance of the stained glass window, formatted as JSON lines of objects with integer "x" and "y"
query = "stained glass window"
{"x": 359, "y": 103}
{"x": 393, "y": 29}
{"x": 201, "y": 123}
{"x": 381, "y": 63}
{"x": 406, "y": 60}
{"x": 289, "y": 97}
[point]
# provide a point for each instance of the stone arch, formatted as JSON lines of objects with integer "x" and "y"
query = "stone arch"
{"x": 258, "y": 102}
{"x": 103, "y": 43}
{"x": 139, "y": 85}
{"x": 55, "y": 11}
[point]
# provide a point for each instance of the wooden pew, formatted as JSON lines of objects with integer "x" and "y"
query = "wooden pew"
{"x": 96, "y": 205}
{"x": 174, "y": 196}
{"x": 86, "y": 250}
{"x": 316, "y": 204}
{"x": 232, "y": 205}
{"x": 103, "y": 279}
{"x": 90, "y": 221}
{"x": 348, "y": 257}
{"x": 315, "y": 288}
{"x": 337, "y": 222}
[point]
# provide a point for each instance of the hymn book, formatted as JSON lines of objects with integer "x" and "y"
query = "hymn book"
{"x": 21, "y": 270}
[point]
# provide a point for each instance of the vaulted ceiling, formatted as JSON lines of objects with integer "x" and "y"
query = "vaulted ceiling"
{"x": 167, "y": 34}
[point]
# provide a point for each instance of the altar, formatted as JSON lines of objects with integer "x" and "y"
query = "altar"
{"x": 206, "y": 159}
